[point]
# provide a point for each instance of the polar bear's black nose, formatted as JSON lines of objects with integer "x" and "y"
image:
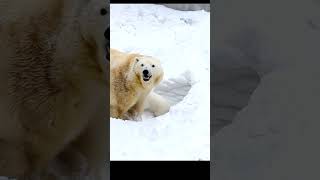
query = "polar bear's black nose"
{"x": 145, "y": 72}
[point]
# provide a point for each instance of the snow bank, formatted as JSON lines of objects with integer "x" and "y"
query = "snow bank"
{"x": 181, "y": 40}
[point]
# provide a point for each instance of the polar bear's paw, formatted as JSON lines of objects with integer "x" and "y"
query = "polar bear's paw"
{"x": 137, "y": 118}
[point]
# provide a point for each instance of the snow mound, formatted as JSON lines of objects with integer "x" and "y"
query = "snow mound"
{"x": 181, "y": 40}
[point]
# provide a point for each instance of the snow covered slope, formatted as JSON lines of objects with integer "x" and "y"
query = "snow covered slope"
{"x": 181, "y": 40}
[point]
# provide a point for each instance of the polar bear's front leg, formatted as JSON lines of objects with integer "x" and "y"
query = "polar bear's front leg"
{"x": 136, "y": 111}
{"x": 114, "y": 112}
{"x": 117, "y": 112}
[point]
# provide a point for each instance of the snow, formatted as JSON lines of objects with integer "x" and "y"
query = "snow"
{"x": 181, "y": 40}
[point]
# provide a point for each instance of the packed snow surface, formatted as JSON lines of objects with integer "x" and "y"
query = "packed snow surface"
{"x": 181, "y": 40}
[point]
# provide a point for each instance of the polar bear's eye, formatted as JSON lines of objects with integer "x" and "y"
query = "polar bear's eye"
{"x": 152, "y": 65}
{"x": 137, "y": 60}
{"x": 103, "y": 11}
{"x": 142, "y": 65}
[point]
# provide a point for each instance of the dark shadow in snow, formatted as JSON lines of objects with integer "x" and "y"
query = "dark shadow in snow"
{"x": 175, "y": 89}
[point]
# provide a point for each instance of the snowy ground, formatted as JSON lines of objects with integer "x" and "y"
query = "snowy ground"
{"x": 181, "y": 40}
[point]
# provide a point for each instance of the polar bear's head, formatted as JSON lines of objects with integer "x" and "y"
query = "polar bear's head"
{"x": 94, "y": 28}
{"x": 148, "y": 70}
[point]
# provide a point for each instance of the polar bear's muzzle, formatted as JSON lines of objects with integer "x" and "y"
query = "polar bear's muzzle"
{"x": 146, "y": 75}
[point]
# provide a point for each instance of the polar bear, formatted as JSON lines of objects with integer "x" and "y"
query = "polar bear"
{"x": 54, "y": 87}
{"x": 133, "y": 77}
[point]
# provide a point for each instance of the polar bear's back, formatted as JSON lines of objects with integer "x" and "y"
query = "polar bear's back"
{"x": 118, "y": 58}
